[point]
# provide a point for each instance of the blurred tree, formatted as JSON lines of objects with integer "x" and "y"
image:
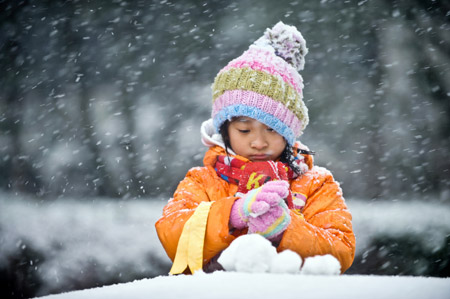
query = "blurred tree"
{"x": 98, "y": 97}
{"x": 15, "y": 166}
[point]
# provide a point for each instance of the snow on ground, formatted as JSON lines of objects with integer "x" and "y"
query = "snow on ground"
{"x": 256, "y": 270}
{"x": 98, "y": 237}
{"x": 429, "y": 221}
{"x": 251, "y": 273}
{"x": 82, "y": 240}
{"x": 264, "y": 285}
{"x": 255, "y": 254}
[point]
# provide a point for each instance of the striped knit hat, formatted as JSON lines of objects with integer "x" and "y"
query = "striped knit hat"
{"x": 264, "y": 84}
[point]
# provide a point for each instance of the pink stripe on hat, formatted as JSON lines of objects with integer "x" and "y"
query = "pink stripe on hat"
{"x": 264, "y": 60}
{"x": 265, "y": 103}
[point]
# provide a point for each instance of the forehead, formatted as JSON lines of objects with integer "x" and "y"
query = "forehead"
{"x": 244, "y": 119}
{"x": 248, "y": 121}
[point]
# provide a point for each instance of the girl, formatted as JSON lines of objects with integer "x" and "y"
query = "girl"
{"x": 256, "y": 178}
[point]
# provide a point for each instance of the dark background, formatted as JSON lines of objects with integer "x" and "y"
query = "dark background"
{"x": 105, "y": 98}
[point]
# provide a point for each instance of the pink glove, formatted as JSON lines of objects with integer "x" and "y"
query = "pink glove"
{"x": 263, "y": 210}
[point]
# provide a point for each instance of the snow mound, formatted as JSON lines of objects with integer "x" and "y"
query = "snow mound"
{"x": 254, "y": 254}
{"x": 321, "y": 265}
{"x": 249, "y": 253}
{"x": 286, "y": 262}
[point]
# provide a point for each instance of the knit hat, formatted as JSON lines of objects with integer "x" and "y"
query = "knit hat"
{"x": 264, "y": 84}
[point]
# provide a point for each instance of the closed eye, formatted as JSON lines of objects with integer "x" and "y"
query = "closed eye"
{"x": 244, "y": 131}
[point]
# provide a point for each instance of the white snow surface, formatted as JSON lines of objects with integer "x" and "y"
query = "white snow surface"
{"x": 255, "y": 254}
{"x": 250, "y": 253}
{"x": 113, "y": 233}
{"x": 265, "y": 285}
{"x": 286, "y": 261}
{"x": 321, "y": 265}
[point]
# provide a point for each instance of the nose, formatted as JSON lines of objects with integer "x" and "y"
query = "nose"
{"x": 259, "y": 142}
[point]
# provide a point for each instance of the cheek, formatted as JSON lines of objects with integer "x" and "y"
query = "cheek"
{"x": 280, "y": 141}
{"x": 236, "y": 141}
{"x": 232, "y": 137}
{"x": 281, "y": 144}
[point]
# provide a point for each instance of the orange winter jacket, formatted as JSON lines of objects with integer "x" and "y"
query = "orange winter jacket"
{"x": 323, "y": 227}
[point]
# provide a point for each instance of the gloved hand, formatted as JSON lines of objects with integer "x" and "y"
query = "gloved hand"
{"x": 263, "y": 210}
{"x": 272, "y": 223}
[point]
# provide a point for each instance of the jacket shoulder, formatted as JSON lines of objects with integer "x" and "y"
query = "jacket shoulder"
{"x": 201, "y": 172}
{"x": 316, "y": 176}
{"x": 318, "y": 185}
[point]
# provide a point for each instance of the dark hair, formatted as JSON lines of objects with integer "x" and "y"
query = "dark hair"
{"x": 287, "y": 156}
{"x": 223, "y": 131}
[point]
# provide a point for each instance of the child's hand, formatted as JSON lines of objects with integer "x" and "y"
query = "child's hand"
{"x": 272, "y": 223}
{"x": 259, "y": 206}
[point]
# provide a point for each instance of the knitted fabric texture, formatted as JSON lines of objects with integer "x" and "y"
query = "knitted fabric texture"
{"x": 263, "y": 210}
{"x": 252, "y": 175}
{"x": 264, "y": 84}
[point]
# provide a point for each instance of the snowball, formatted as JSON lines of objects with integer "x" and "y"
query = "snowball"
{"x": 253, "y": 253}
{"x": 321, "y": 265}
{"x": 286, "y": 262}
{"x": 249, "y": 253}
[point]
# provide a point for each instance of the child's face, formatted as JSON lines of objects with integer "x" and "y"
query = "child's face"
{"x": 254, "y": 140}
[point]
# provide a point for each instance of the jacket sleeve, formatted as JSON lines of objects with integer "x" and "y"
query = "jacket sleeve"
{"x": 198, "y": 185}
{"x": 325, "y": 226}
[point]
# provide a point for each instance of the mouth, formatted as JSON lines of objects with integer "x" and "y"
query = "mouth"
{"x": 260, "y": 157}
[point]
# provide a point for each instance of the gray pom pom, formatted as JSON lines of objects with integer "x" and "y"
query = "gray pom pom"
{"x": 288, "y": 43}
